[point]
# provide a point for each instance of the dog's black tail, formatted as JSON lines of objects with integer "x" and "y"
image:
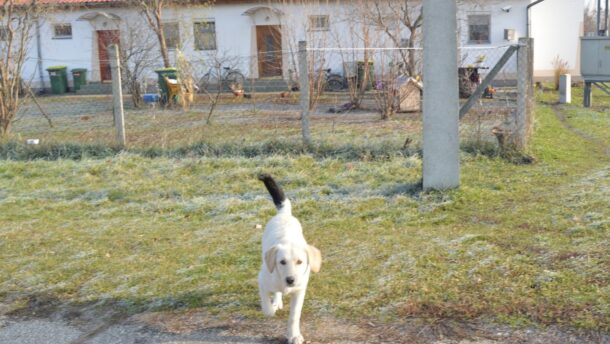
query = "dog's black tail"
{"x": 279, "y": 199}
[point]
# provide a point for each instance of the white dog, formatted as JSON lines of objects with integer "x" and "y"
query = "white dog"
{"x": 287, "y": 262}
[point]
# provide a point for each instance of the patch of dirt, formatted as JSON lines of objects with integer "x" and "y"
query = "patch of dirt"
{"x": 97, "y": 319}
{"x": 332, "y": 330}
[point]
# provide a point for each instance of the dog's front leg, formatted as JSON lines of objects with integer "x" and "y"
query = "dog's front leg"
{"x": 277, "y": 301}
{"x": 266, "y": 305}
{"x": 294, "y": 320}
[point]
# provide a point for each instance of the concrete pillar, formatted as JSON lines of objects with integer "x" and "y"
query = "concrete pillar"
{"x": 519, "y": 136}
{"x": 441, "y": 146}
{"x": 565, "y": 89}
{"x": 304, "y": 92}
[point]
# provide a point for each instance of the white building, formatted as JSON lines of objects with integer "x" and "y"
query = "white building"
{"x": 260, "y": 37}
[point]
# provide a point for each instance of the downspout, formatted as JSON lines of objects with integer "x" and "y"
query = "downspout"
{"x": 527, "y": 16}
{"x": 39, "y": 54}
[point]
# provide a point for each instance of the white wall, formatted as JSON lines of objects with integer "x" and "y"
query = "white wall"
{"x": 80, "y": 51}
{"x": 556, "y": 26}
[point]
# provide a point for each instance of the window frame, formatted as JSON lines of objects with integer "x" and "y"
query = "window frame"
{"x": 57, "y": 25}
{"x": 178, "y": 38}
{"x": 470, "y": 18}
{"x": 196, "y": 32}
{"x": 313, "y": 19}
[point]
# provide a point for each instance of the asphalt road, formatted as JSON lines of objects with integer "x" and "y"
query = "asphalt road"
{"x": 39, "y": 331}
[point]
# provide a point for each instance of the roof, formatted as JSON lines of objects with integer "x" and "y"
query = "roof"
{"x": 70, "y": 2}
{"x": 64, "y": 2}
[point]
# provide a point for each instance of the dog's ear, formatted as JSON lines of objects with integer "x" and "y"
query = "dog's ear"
{"x": 315, "y": 258}
{"x": 270, "y": 258}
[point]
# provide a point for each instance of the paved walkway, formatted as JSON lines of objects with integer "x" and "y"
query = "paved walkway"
{"x": 39, "y": 331}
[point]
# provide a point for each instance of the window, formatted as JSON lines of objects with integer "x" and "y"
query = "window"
{"x": 479, "y": 29}
{"x": 3, "y": 33}
{"x": 319, "y": 23}
{"x": 205, "y": 35}
{"x": 171, "y": 32}
{"x": 62, "y": 31}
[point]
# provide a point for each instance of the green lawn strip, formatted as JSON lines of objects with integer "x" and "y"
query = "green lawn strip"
{"x": 594, "y": 121}
{"x": 519, "y": 243}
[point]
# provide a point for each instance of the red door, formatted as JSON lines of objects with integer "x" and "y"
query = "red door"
{"x": 104, "y": 39}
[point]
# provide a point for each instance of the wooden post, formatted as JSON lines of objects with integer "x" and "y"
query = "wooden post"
{"x": 441, "y": 146}
{"x": 117, "y": 93}
{"x": 304, "y": 92}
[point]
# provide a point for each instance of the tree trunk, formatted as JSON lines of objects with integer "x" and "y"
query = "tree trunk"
{"x": 153, "y": 16}
{"x": 163, "y": 46}
{"x": 411, "y": 53}
{"x": 136, "y": 96}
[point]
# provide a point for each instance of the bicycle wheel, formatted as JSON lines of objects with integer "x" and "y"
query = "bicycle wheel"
{"x": 334, "y": 83}
{"x": 204, "y": 83}
{"x": 234, "y": 81}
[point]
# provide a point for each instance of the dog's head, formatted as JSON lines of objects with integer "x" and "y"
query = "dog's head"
{"x": 292, "y": 262}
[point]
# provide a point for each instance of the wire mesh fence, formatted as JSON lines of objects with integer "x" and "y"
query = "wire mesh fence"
{"x": 358, "y": 98}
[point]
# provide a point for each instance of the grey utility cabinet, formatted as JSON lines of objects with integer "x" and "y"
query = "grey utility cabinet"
{"x": 595, "y": 58}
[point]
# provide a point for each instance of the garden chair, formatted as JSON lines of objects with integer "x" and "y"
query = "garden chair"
{"x": 174, "y": 91}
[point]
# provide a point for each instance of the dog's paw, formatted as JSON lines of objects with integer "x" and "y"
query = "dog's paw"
{"x": 277, "y": 304}
{"x": 269, "y": 312}
{"x": 296, "y": 340}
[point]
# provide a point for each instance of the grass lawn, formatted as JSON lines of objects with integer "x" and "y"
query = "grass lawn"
{"x": 518, "y": 244}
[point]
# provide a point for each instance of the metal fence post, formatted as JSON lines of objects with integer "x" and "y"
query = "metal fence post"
{"x": 117, "y": 93}
{"x": 304, "y": 92}
{"x": 586, "y": 102}
{"x": 525, "y": 94}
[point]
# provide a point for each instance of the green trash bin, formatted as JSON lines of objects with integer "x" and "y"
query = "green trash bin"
{"x": 79, "y": 76}
{"x": 170, "y": 73}
{"x": 369, "y": 82}
{"x": 59, "y": 79}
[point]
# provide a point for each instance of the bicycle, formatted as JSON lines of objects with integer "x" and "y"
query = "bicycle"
{"x": 230, "y": 80}
{"x": 332, "y": 82}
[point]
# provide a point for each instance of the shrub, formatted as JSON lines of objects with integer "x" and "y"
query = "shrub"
{"x": 560, "y": 67}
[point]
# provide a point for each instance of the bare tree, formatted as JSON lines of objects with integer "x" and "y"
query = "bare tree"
{"x": 153, "y": 11}
{"x": 358, "y": 36}
{"x": 401, "y": 20}
{"x": 590, "y": 19}
{"x": 316, "y": 29}
{"x": 17, "y": 21}
{"x": 138, "y": 54}
{"x": 216, "y": 80}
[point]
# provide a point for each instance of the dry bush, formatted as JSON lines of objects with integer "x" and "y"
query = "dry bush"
{"x": 560, "y": 67}
{"x": 186, "y": 79}
{"x": 18, "y": 20}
